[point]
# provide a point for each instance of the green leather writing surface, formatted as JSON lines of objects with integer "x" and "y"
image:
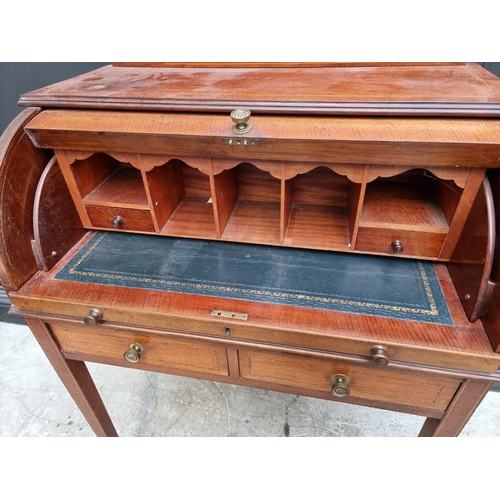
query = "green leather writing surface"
{"x": 360, "y": 284}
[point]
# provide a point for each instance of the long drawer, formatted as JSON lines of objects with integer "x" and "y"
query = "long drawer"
{"x": 347, "y": 380}
{"x": 142, "y": 349}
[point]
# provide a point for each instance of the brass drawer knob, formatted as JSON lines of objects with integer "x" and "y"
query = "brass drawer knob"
{"x": 340, "y": 386}
{"x": 133, "y": 354}
{"x": 93, "y": 317}
{"x": 397, "y": 246}
{"x": 240, "y": 117}
{"x": 379, "y": 355}
{"x": 117, "y": 222}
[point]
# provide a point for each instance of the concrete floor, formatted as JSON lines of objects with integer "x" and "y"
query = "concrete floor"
{"x": 33, "y": 402}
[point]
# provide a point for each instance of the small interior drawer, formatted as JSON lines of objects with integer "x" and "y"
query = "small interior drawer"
{"x": 364, "y": 382}
{"x": 125, "y": 219}
{"x": 400, "y": 242}
{"x": 157, "y": 350}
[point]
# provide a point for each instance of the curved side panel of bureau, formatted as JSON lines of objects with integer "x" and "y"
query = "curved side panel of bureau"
{"x": 21, "y": 165}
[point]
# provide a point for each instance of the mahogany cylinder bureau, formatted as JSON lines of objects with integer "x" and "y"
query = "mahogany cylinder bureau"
{"x": 319, "y": 229}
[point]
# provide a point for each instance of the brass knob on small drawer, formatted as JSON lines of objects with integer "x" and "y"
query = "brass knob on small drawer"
{"x": 240, "y": 117}
{"x": 117, "y": 222}
{"x": 340, "y": 386}
{"x": 379, "y": 355}
{"x": 397, "y": 246}
{"x": 93, "y": 317}
{"x": 133, "y": 354}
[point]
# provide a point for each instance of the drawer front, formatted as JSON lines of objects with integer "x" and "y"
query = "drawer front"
{"x": 158, "y": 350}
{"x": 377, "y": 384}
{"x": 124, "y": 219}
{"x": 414, "y": 243}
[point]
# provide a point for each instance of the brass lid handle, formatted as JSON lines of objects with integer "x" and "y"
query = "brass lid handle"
{"x": 340, "y": 386}
{"x": 240, "y": 117}
{"x": 379, "y": 355}
{"x": 133, "y": 353}
{"x": 93, "y": 317}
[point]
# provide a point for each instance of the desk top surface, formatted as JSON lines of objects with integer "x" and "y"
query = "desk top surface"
{"x": 402, "y": 289}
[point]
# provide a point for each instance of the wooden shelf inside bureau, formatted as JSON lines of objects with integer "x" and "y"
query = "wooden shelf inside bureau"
{"x": 390, "y": 204}
{"x": 123, "y": 187}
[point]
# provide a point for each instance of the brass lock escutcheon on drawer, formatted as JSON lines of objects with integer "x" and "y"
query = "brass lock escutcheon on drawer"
{"x": 229, "y": 314}
{"x": 231, "y": 141}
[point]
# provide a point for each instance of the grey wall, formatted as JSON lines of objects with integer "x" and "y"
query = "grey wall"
{"x": 19, "y": 78}
{"x": 494, "y": 67}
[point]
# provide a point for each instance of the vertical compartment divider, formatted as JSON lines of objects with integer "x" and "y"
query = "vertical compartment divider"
{"x": 356, "y": 200}
{"x": 474, "y": 182}
{"x": 165, "y": 190}
{"x": 286, "y": 202}
{"x": 224, "y": 190}
{"x": 151, "y": 202}
{"x": 62, "y": 159}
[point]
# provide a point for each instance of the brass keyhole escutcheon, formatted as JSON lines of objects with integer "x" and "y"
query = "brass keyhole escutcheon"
{"x": 340, "y": 386}
{"x": 133, "y": 354}
{"x": 240, "y": 117}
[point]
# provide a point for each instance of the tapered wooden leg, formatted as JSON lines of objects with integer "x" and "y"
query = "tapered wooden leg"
{"x": 465, "y": 402}
{"x": 77, "y": 379}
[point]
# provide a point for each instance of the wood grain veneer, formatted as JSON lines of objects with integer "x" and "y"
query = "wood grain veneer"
{"x": 56, "y": 224}
{"x": 18, "y": 186}
{"x": 392, "y": 141}
{"x": 459, "y": 90}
